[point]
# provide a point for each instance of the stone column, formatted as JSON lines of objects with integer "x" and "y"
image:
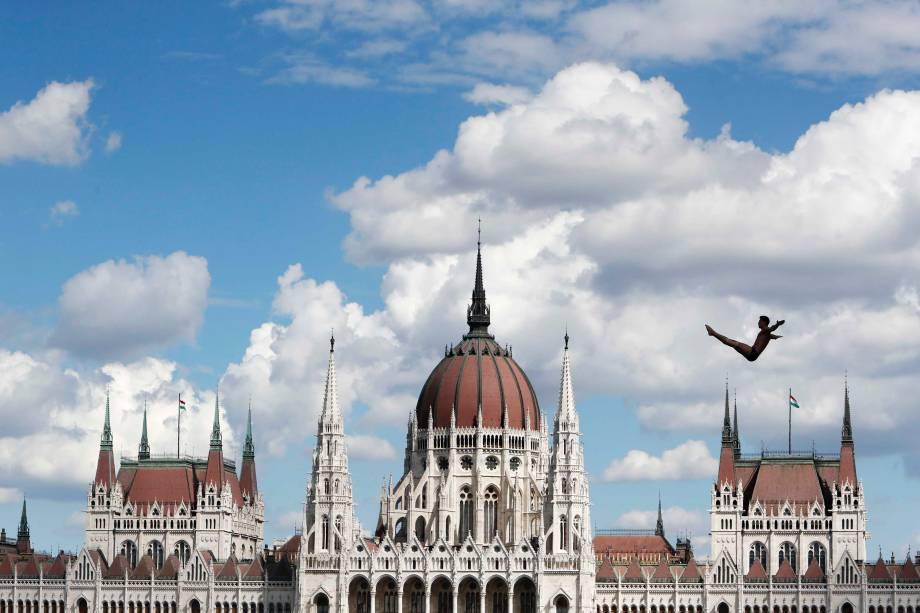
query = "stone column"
{"x": 427, "y": 608}
{"x": 399, "y": 599}
{"x": 373, "y": 600}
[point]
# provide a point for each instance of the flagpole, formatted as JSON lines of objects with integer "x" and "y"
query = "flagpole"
{"x": 179, "y": 429}
{"x": 790, "y": 421}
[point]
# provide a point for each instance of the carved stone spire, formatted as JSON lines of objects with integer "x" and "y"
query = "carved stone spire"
{"x": 22, "y": 537}
{"x": 106, "y": 441}
{"x": 143, "y": 450}
{"x": 659, "y": 525}
{"x": 727, "y": 440}
{"x": 566, "y": 411}
{"x": 846, "y": 432}
{"x": 331, "y": 411}
{"x": 477, "y": 315}
{"x": 216, "y": 440}
{"x": 249, "y": 450}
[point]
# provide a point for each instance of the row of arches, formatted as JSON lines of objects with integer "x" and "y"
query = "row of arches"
{"x": 156, "y": 551}
{"x": 32, "y": 606}
{"x": 612, "y": 608}
{"x": 787, "y": 551}
{"x": 468, "y": 596}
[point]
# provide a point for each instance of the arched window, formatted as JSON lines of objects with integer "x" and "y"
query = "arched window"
{"x": 563, "y": 533}
{"x": 155, "y": 551}
{"x": 466, "y": 513}
{"x": 576, "y": 531}
{"x": 325, "y": 486}
{"x": 325, "y": 532}
{"x": 787, "y": 552}
{"x": 322, "y": 603}
{"x": 420, "y": 529}
{"x": 183, "y": 551}
{"x": 129, "y": 550}
{"x": 758, "y": 551}
{"x": 562, "y": 604}
{"x": 490, "y": 513}
{"x": 816, "y": 551}
{"x": 338, "y": 531}
{"x": 447, "y": 529}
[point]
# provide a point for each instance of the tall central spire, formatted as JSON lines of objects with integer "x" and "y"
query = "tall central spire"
{"x": 331, "y": 410}
{"x": 727, "y": 439}
{"x": 566, "y": 413}
{"x": 216, "y": 443}
{"x": 143, "y": 451}
{"x": 846, "y": 433}
{"x": 106, "y": 441}
{"x": 477, "y": 315}
{"x": 249, "y": 450}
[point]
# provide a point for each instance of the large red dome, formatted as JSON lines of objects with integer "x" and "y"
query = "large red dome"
{"x": 476, "y": 372}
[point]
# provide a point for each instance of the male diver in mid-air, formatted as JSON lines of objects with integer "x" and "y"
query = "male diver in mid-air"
{"x": 765, "y": 335}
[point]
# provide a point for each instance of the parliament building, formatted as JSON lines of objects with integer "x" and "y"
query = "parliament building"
{"x": 492, "y": 514}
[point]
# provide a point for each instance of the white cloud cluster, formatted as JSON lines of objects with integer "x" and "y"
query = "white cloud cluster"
{"x": 690, "y": 460}
{"x": 122, "y": 308}
{"x": 56, "y": 413}
{"x": 113, "y": 142}
{"x": 601, "y": 212}
{"x": 52, "y": 128}
{"x": 527, "y": 41}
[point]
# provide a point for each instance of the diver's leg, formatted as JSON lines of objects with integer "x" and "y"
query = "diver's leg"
{"x": 738, "y": 346}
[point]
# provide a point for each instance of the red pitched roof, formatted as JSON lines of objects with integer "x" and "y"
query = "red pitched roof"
{"x": 908, "y": 571}
{"x": 170, "y": 568}
{"x": 814, "y": 570}
{"x": 691, "y": 572}
{"x": 228, "y": 569}
{"x": 118, "y": 567}
{"x": 796, "y": 482}
{"x": 27, "y": 569}
{"x": 663, "y": 572}
{"x": 605, "y": 571}
{"x": 727, "y": 466}
{"x": 248, "y": 482}
{"x": 105, "y": 468}
{"x": 58, "y": 568}
{"x": 634, "y": 571}
{"x": 785, "y": 571}
{"x": 757, "y": 571}
{"x": 6, "y": 566}
{"x": 144, "y": 568}
{"x": 847, "y": 466}
{"x": 879, "y": 571}
{"x": 255, "y": 570}
{"x": 632, "y": 544}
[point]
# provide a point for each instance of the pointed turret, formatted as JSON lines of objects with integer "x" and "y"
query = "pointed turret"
{"x": 105, "y": 465}
{"x": 331, "y": 411}
{"x": 214, "y": 475}
{"x": 566, "y": 414}
{"x": 477, "y": 314}
{"x": 659, "y": 525}
{"x": 847, "y": 471}
{"x": 22, "y": 536}
{"x": 248, "y": 483}
{"x": 143, "y": 450}
{"x": 727, "y": 455}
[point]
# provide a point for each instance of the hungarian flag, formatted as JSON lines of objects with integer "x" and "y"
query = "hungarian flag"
{"x": 181, "y": 403}
{"x": 793, "y": 402}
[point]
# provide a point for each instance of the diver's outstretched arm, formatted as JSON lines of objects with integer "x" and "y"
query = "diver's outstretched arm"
{"x": 777, "y": 325}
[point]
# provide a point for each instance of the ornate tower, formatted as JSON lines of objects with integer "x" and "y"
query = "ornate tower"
{"x": 104, "y": 493}
{"x": 215, "y": 524}
{"x": 567, "y": 511}
{"x": 143, "y": 450}
{"x": 848, "y": 502}
{"x": 329, "y": 525}
{"x": 727, "y": 497}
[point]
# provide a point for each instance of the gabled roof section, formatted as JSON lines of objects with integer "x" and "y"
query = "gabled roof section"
{"x": 255, "y": 570}
{"x": 879, "y": 571}
{"x": 757, "y": 572}
{"x": 814, "y": 570}
{"x": 634, "y": 571}
{"x": 691, "y": 572}
{"x": 144, "y": 568}
{"x": 785, "y": 572}
{"x": 908, "y": 572}
{"x": 663, "y": 572}
{"x": 793, "y": 481}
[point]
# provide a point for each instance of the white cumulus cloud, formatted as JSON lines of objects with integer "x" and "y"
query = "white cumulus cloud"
{"x": 369, "y": 447}
{"x": 62, "y": 210}
{"x": 690, "y": 460}
{"x": 122, "y": 307}
{"x": 52, "y": 128}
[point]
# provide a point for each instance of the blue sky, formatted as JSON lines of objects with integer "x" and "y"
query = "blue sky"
{"x": 206, "y": 150}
